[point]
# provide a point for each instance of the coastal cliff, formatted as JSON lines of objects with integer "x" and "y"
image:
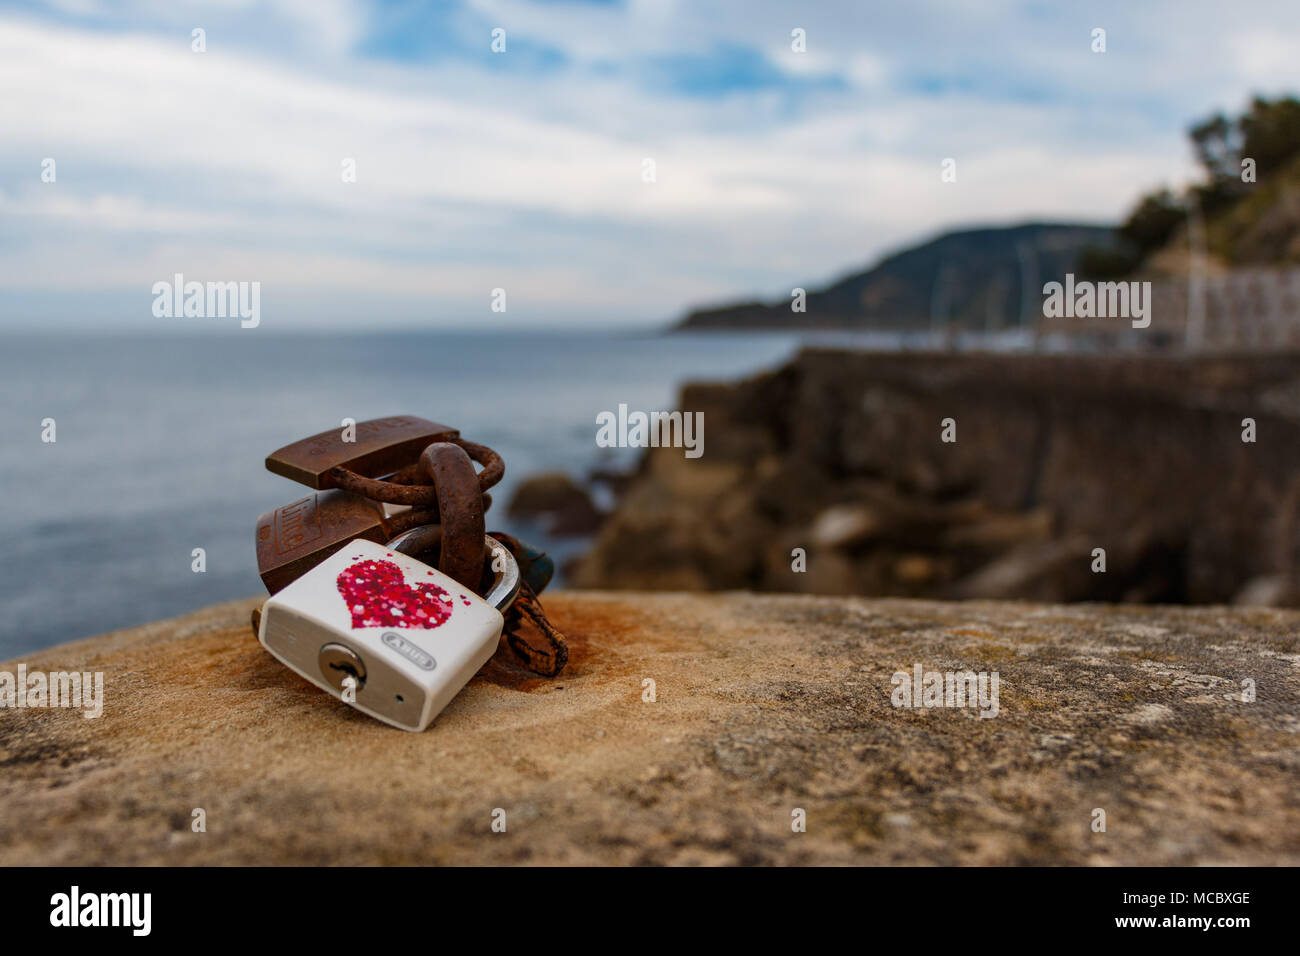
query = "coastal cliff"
{"x": 1178, "y": 725}
{"x": 1143, "y": 478}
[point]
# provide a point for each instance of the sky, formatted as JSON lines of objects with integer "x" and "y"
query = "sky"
{"x": 528, "y": 170}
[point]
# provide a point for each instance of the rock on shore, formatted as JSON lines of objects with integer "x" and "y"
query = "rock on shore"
{"x": 842, "y": 454}
{"x": 763, "y": 705}
{"x": 558, "y": 499}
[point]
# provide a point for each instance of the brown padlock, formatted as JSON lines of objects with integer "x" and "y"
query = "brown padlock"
{"x": 294, "y": 538}
{"x": 383, "y": 446}
{"x": 460, "y": 507}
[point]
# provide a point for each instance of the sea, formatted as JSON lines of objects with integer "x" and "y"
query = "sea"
{"x": 160, "y": 444}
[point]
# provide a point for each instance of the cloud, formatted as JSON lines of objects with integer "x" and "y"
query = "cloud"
{"x": 477, "y": 171}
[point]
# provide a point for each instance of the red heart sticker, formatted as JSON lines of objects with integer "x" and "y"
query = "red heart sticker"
{"x": 377, "y": 595}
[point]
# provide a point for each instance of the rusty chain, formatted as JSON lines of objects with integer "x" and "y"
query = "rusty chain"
{"x": 411, "y": 485}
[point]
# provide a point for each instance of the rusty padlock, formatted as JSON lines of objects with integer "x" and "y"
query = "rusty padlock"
{"x": 383, "y": 446}
{"x": 294, "y": 538}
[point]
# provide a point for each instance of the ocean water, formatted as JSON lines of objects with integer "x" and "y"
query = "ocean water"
{"x": 161, "y": 441}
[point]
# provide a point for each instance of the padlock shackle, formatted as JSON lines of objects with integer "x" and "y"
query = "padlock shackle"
{"x": 460, "y": 512}
{"x": 505, "y": 583}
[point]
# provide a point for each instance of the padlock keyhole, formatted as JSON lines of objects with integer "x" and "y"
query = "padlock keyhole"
{"x": 337, "y": 663}
{"x": 348, "y": 670}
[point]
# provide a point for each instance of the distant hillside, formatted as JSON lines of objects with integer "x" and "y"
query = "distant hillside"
{"x": 970, "y": 279}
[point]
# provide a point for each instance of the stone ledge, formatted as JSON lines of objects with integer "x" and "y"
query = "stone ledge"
{"x": 764, "y": 704}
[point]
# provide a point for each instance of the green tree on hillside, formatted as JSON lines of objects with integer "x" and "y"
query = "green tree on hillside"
{"x": 1268, "y": 133}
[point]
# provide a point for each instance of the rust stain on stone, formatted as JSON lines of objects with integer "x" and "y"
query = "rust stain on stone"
{"x": 586, "y": 632}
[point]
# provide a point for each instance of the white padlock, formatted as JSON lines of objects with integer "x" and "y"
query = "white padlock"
{"x": 385, "y": 633}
